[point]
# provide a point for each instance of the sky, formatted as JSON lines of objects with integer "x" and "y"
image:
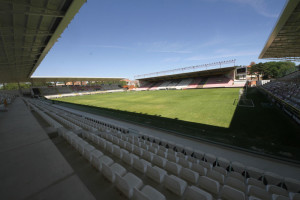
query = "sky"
{"x": 124, "y": 38}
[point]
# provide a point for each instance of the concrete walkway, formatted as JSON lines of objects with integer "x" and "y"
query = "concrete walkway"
{"x": 31, "y": 167}
{"x": 248, "y": 159}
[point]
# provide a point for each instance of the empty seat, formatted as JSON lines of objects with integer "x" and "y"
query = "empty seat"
{"x": 237, "y": 167}
{"x": 229, "y": 193}
{"x": 161, "y": 153}
{"x": 255, "y": 182}
{"x": 279, "y": 197}
{"x": 159, "y": 161}
{"x": 272, "y": 178}
{"x": 122, "y": 144}
{"x": 189, "y": 175}
{"x": 128, "y": 158}
{"x": 199, "y": 168}
{"x": 102, "y": 143}
{"x": 216, "y": 176}
{"x": 236, "y": 175}
{"x": 192, "y": 159}
{"x": 155, "y": 145}
{"x": 110, "y": 171}
{"x": 155, "y": 173}
{"x": 80, "y": 146}
{"x": 148, "y": 156}
{"x": 198, "y": 154}
{"x": 258, "y": 192}
{"x": 273, "y": 189}
{"x": 147, "y": 193}
{"x": 137, "y": 143}
{"x": 117, "y": 151}
{"x": 152, "y": 149}
{"x": 127, "y": 183}
{"x": 181, "y": 155}
{"x": 175, "y": 184}
{"x": 184, "y": 163}
{"x": 95, "y": 157}
{"x": 115, "y": 140}
{"x": 292, "y": 185}
{"x": 144, "y": 146}
{"x": 172, "y": 157}
{"x": 87, "y": 151}
{"x": 129, "y": 147}
{"x": 235, "y": 183}
{"x": 162, "y": 148}
{"x": 223, "y": 162}
{"x": 209, "y": 185}
{"x": 137, "y": 150}
{"x": 195, "y": 193}
{"x": 221, "y": 170}
{"x": 295, "y": 196}
{"x": 210, "y": 158}
{"x": 205, "y": 164}
{"x": 140, "y": 164}
{"x": 173, "y": 168}
{"x": 109, "y": 147}
{"x": 104, "y": 159}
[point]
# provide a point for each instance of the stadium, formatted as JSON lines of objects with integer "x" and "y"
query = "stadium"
{"x": 196, "y": 132}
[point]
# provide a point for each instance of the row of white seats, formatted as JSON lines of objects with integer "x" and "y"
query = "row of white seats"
{"x": 160, "y": 175}
{"x": 270, "y": 178}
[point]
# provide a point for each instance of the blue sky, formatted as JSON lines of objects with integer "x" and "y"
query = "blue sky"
{"x": 123, "y": 38}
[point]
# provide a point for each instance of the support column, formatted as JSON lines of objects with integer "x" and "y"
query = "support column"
{"x": 20, "y": 90}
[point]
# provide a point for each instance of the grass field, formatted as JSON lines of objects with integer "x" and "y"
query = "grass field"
{"x": 212, "y": 106}
{"x": 202, "y": 113}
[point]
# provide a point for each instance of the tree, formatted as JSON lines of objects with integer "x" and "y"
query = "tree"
{"x": 272, "y": 69}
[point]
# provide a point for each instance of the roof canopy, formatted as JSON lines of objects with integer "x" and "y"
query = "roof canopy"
{"x": 70, "y": 79}
{"x": 28, "y": 30}
{"x": 284, "y": 41}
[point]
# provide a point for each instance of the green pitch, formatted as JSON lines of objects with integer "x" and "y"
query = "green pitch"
{"x": 209, "y": 106}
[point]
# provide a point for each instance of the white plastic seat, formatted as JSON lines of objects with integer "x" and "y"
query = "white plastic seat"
{"x": 192, "y": 160}
{"x": 102, "y": 143}
{"x": 181, "y": 155}
{"x": 207, "y": 165}
{"x": 109, "y": 147}
{"x": 148, "y": 156}
{"x": 155, "y": 173}
{"x": 199, "y": 168}
{"x": 162, "y": 148}
{"x": 152, "y": 149}
{"x": 294, "y": 196}
{"x": 140, "y": 164}
{"x": 236, "y": 175}
{"x": 235, "y": 183}
{"x": 272, "y": 178}
{"x": 220, "y": 170}
{"x": 147, "y": 193}
{"x": 128, "y": 158}
{"x": 155, "y": 145}
{"x": 238, "y": 167}
{"x": 159, "y": 161}
{"x": 115, "y": 140}
{"x": 189, "y": 175}
{"x": 127, "y": 183}
{"x": 229, "y": 193}
{"x": 195, "y": 193}
{"x": 122, "y": 144}
{"x": 198, "y": 154}
{"x": 223, "y": 162}
{"x": 209, "y": 185}
{"x": 80, "y": 146}
{"x": 117, "y": 151}
{"x": 172, "y": 157}
{"x": 258, "y": 192}
{"x": 129, "y": 147}
{"x": 104, "y": 159}
{"x": 137, "y": 150}
{"x": 161, "y": 153}
{"x": 184, "y": 163}
{"x": 95, "y": 157}
{"x": 137, "y": 143}
{"x": 279, "y": 197}
{"x": 255, "y": 182}
{"x": 210, "y": 158}
{"x": 175, "y": 184}
{"x": 273, "y": 189}
{"x": 292, "y": 185}
{"x": 216, "y": 176}
{"x": 88, "y": 149}
{"x": 173, "y": 168}
{"x": 144, "y": 146}
{"x": 110, "y": 171}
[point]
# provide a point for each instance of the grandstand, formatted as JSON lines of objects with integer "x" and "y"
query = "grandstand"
{"x": 49, "y": 151}
{"x": 212, "y": 75}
